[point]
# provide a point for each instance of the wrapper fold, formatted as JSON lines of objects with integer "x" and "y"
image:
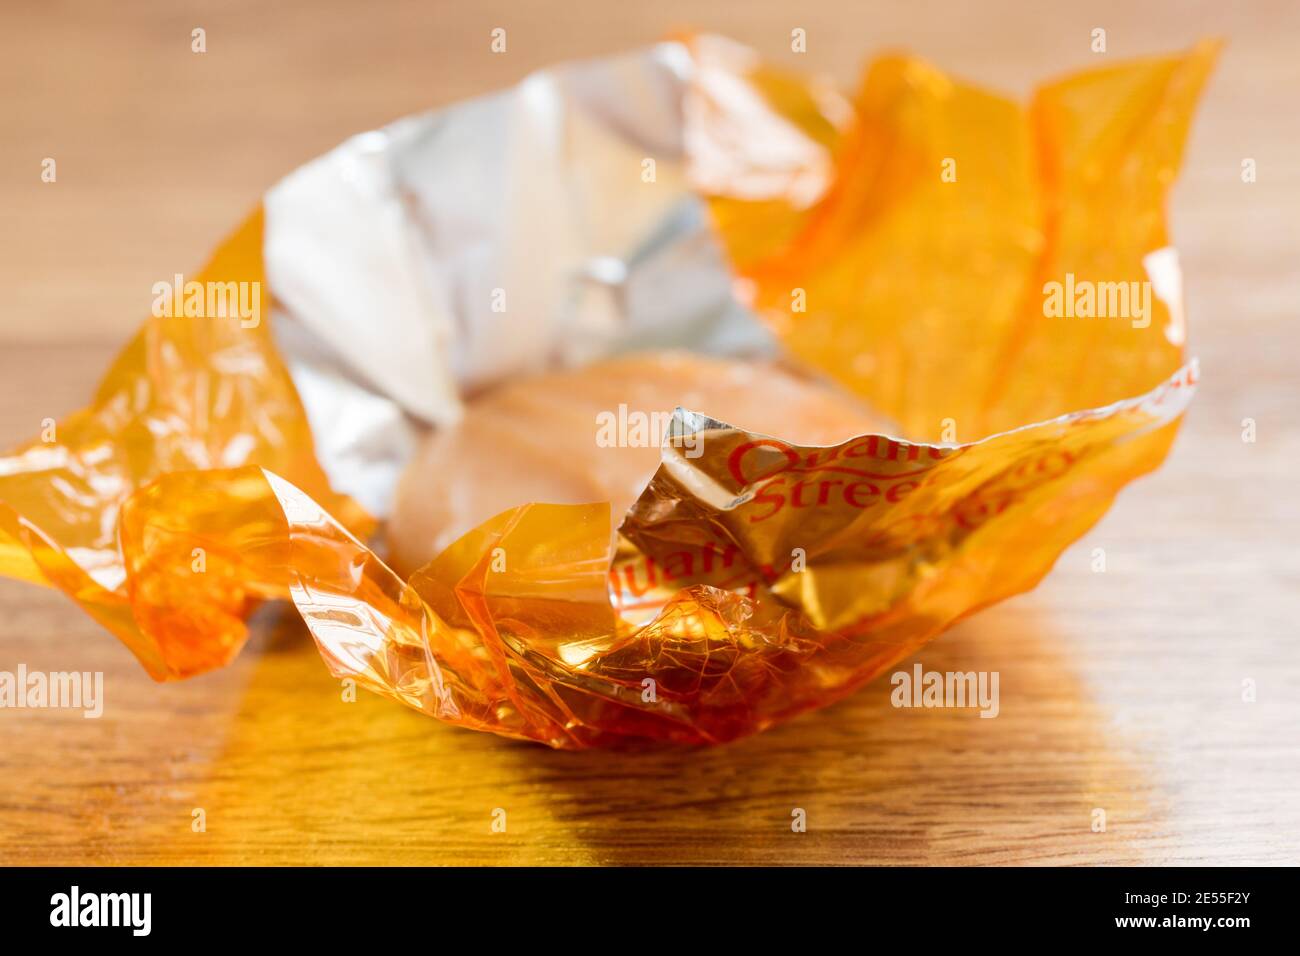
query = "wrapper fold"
{"x": 753, "y": 582}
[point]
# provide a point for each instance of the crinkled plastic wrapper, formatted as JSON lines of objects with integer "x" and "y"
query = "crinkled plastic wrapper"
{"x": 904, "y": 243}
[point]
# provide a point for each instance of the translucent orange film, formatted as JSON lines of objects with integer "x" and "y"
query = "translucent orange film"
{"x": 187, "y": 394}
{"x": 941, "y": 270}
{"x": 923, "y": 274}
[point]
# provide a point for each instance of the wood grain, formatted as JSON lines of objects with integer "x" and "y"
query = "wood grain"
{"x": 1119, "y": 690}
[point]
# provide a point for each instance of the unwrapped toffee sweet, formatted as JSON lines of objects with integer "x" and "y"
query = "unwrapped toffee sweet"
{"x": 594, "y": 434}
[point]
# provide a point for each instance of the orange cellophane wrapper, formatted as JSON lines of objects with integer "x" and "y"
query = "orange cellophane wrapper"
{"x": 185, "y": 394}
{"x": 757, "y": 580}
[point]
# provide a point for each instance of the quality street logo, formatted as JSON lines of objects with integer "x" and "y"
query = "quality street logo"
{"x": 922, "y": 688}
{"x": 209, "y": 300}
{"x": 57, "y": 690}
{"x": 103, "y": 909}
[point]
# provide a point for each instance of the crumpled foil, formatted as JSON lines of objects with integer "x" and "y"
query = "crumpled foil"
{"x": 918, "y": 227}
{"x": 508, "y": 235}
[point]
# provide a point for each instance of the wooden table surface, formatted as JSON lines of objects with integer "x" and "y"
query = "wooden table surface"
{"x": 1120, "y": 690}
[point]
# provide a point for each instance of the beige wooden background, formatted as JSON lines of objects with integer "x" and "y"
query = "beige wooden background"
{"x": 1120, "y": 691}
